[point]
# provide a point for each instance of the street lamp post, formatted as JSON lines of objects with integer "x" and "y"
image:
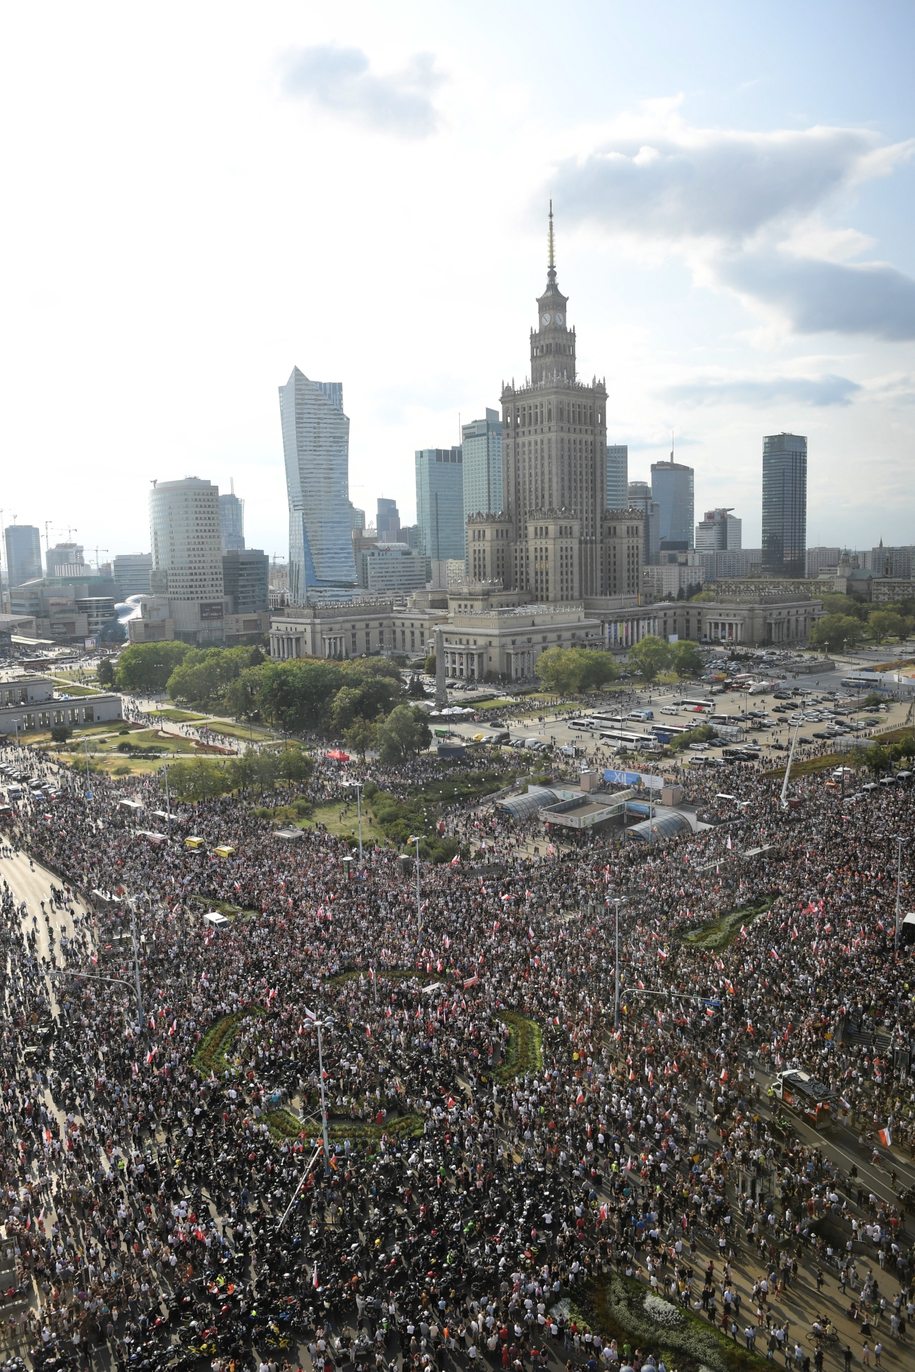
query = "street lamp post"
{"x": 617, "y": 902}
{"x": 358, "y": 785}
{"x": 319, "y": 1025}
{"x": 415, "y": 838}
{"x": 168, "y": 801}
{"x": 899, "y": 842}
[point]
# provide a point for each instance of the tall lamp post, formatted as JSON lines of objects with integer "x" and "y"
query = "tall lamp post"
{"x": 415, "y": 838}
{"x": 319, "y": 1025}
{"x": 357, "y": 787}
{"x": 617, "y": 902}
{"x": 900, "y": 840}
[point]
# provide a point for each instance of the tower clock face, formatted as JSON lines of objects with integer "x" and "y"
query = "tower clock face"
{"x": 559, "y": 319}
{"x": 544, "y": 319}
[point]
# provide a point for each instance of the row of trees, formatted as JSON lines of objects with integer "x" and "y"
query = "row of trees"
{"x": 653, "y": 657}
{"x": 205, "y": 778}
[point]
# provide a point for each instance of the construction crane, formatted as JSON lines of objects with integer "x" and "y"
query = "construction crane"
{"x": 97, "y": 551}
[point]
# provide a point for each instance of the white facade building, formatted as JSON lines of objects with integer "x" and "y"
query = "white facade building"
{"x": 186, "y": 573}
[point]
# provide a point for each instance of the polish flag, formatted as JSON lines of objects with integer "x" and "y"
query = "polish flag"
{"x": 455, "y": 860}
{"x": 886, "y": 1138}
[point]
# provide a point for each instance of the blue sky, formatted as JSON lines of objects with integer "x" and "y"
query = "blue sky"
{"x": 200, "y": 197}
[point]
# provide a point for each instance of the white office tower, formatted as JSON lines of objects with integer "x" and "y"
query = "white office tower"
{"x": 316, "y": 451}
{"x": 187, "y": 557}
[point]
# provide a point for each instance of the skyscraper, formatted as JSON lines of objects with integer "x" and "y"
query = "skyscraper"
{"x": 784, "y": 504}
{"x": 672, "y": 488}
{"x": 232, "y": 522}
{"x": 617, "y": 475}
{"x": 554, "y": 537}
{"x": 482, "y": 465}
{"x": 65, "y": 558}
{"x": 23, "y": 554}
{"x": 638, "y": 497}
{"x": 131, "y": 572}
{"x": 440, "y": 502}
{"x": 718, "y": 531}
{"x": 387, "y": 521}
{"x": 187, "y": 557}
{"x": 316, "y": 452}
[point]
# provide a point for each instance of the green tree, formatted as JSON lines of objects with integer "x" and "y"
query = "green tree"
{"x": 364, "y": 697}
{"x": 686, "y": 658}
{"x": 885, "y": 624}
{"x": 569, "y": 671}
{"x": 835, "y": 603}
{"x": 404, "y": 733}
{"x": 104, "y": 673}
{"x": 701, "y": 734}
{"x": 833, "y": 631}
{"x": 240, "y": 698}
{"x": 201, "y": 779}
{"x": 703, "y": 597}
{"x": 651, "y": 655}
{"x": 360, "y": 736}
{"x": 148, "y": 666}
{"x": 60, "y": 733}
{"x": 204, "y": 673}
{"x": 429, "y": 665}
{"x": 296, "y": 695}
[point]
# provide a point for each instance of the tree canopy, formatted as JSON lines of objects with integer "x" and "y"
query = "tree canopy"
{"x": 573, "y": 670}
{"x": 834, "y": 631}
{"x": 404, "y": 733}
{"x": 148, "y": 666}
{"x": 652, "y": 655}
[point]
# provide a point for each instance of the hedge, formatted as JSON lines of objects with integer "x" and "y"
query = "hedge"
{"x": 216, "y": 1042}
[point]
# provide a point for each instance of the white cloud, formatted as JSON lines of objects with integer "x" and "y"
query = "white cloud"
{"x": 339, "y": 80}
{"x": 745, "y": 210}
{"x": 818, "y": 391}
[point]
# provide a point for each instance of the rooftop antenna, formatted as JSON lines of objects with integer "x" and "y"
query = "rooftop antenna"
{"x": 552, "y": 254}
{"x": 671, "y": 446}
{"x": 232, "y": 484}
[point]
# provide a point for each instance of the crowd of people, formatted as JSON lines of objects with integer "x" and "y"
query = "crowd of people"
{"x": 512, "y": 1116}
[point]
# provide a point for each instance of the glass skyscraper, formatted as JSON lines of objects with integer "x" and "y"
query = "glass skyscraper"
{"x": 784, "y": 504}
{"x": 232, "y": 522}
{"x": 316, "y": 451}
{"x": 23, "y": 554}
{"x": 482, "y": 449}
{"x": 672, "y": 488}
{"x": 440, "y": 502}
{"x": 617, "y": 476}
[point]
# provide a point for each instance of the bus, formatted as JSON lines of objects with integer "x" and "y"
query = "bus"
{"x": 697, "y": 704}
{"x": 632, "y": 740}
{"x": 671, "y": 729}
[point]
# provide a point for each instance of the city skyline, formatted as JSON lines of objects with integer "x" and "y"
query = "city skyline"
{"x": 784, "y": 305}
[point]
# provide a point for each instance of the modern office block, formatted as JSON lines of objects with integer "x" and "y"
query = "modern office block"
{"x": 482, "y": 466}
{"x": 440, "y": 502}
{"x": 719, "y": 531}
{"x": 784, "y": 504}
{"x": 815, "y": 559}
{"x": 387, "y": 521}
{"x": 638, "y": 497}
{"x": 246, "y": 577}
{"x": 617, "y": 475}
{"x": 232, "y": 522}
{"x": 131, "y": 573}
{"x": 316, "y": 453}
{"x": 65, "y": 559}
{"x": 186, "y": 576}
{"x": 23, "y": 554}
{"x": 672, "y": 486}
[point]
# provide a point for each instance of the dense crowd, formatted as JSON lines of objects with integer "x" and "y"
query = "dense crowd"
{"x": 496, "y": 1140}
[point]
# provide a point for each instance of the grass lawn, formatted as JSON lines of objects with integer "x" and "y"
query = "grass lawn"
{"x": 246, "y": 732}
{"x": 894, "y": 735}
{"x": 717, "y": 934}
{"x": 493, "y": 705}
{"x": 329, "y": 816}
{"x": 176, "y": 716}
{"x": 72, "y": 689}
{"x": 808, "y": 766}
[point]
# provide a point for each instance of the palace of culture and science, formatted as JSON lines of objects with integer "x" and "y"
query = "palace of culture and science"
{"x": 554, "y": 568}
{"x": 554, "y": 539}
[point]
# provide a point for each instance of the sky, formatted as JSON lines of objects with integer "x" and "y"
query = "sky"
{"x": 200, "y": 197}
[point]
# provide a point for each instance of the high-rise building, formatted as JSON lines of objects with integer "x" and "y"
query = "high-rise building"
{"x": 387, "y": 520}
{"x": 232, "y": 522}
{"x": 246, "y": 577}
{"x": 617, "y": 475}
{"x": 316, "y": 452}
{"x": 672, "y": 487}
{"x": 440, "y": 502}
{"x": 23, "y": 554}
{"x": 718, "y": 531}
{"x": 482, "y": 465}
{"x": 891, "y": 562}
{"x": 638, "y": 497}
{"x": 131, "y": 573}
{"x": 65, "y": 559}
{"x": 187, "y": 557}
{"x": 554, "y": 538}
{"x": 815, "y": 559}
{"x": 784, "y": 504}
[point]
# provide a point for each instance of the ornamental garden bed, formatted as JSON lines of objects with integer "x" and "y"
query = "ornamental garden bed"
{"x": 523, "y": 1052}
{"x": 618, "y": 1307}
{"x": 717, "y": 934}
{"x": 284, "y": 1125}
{"x": 211, "y": 1056}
